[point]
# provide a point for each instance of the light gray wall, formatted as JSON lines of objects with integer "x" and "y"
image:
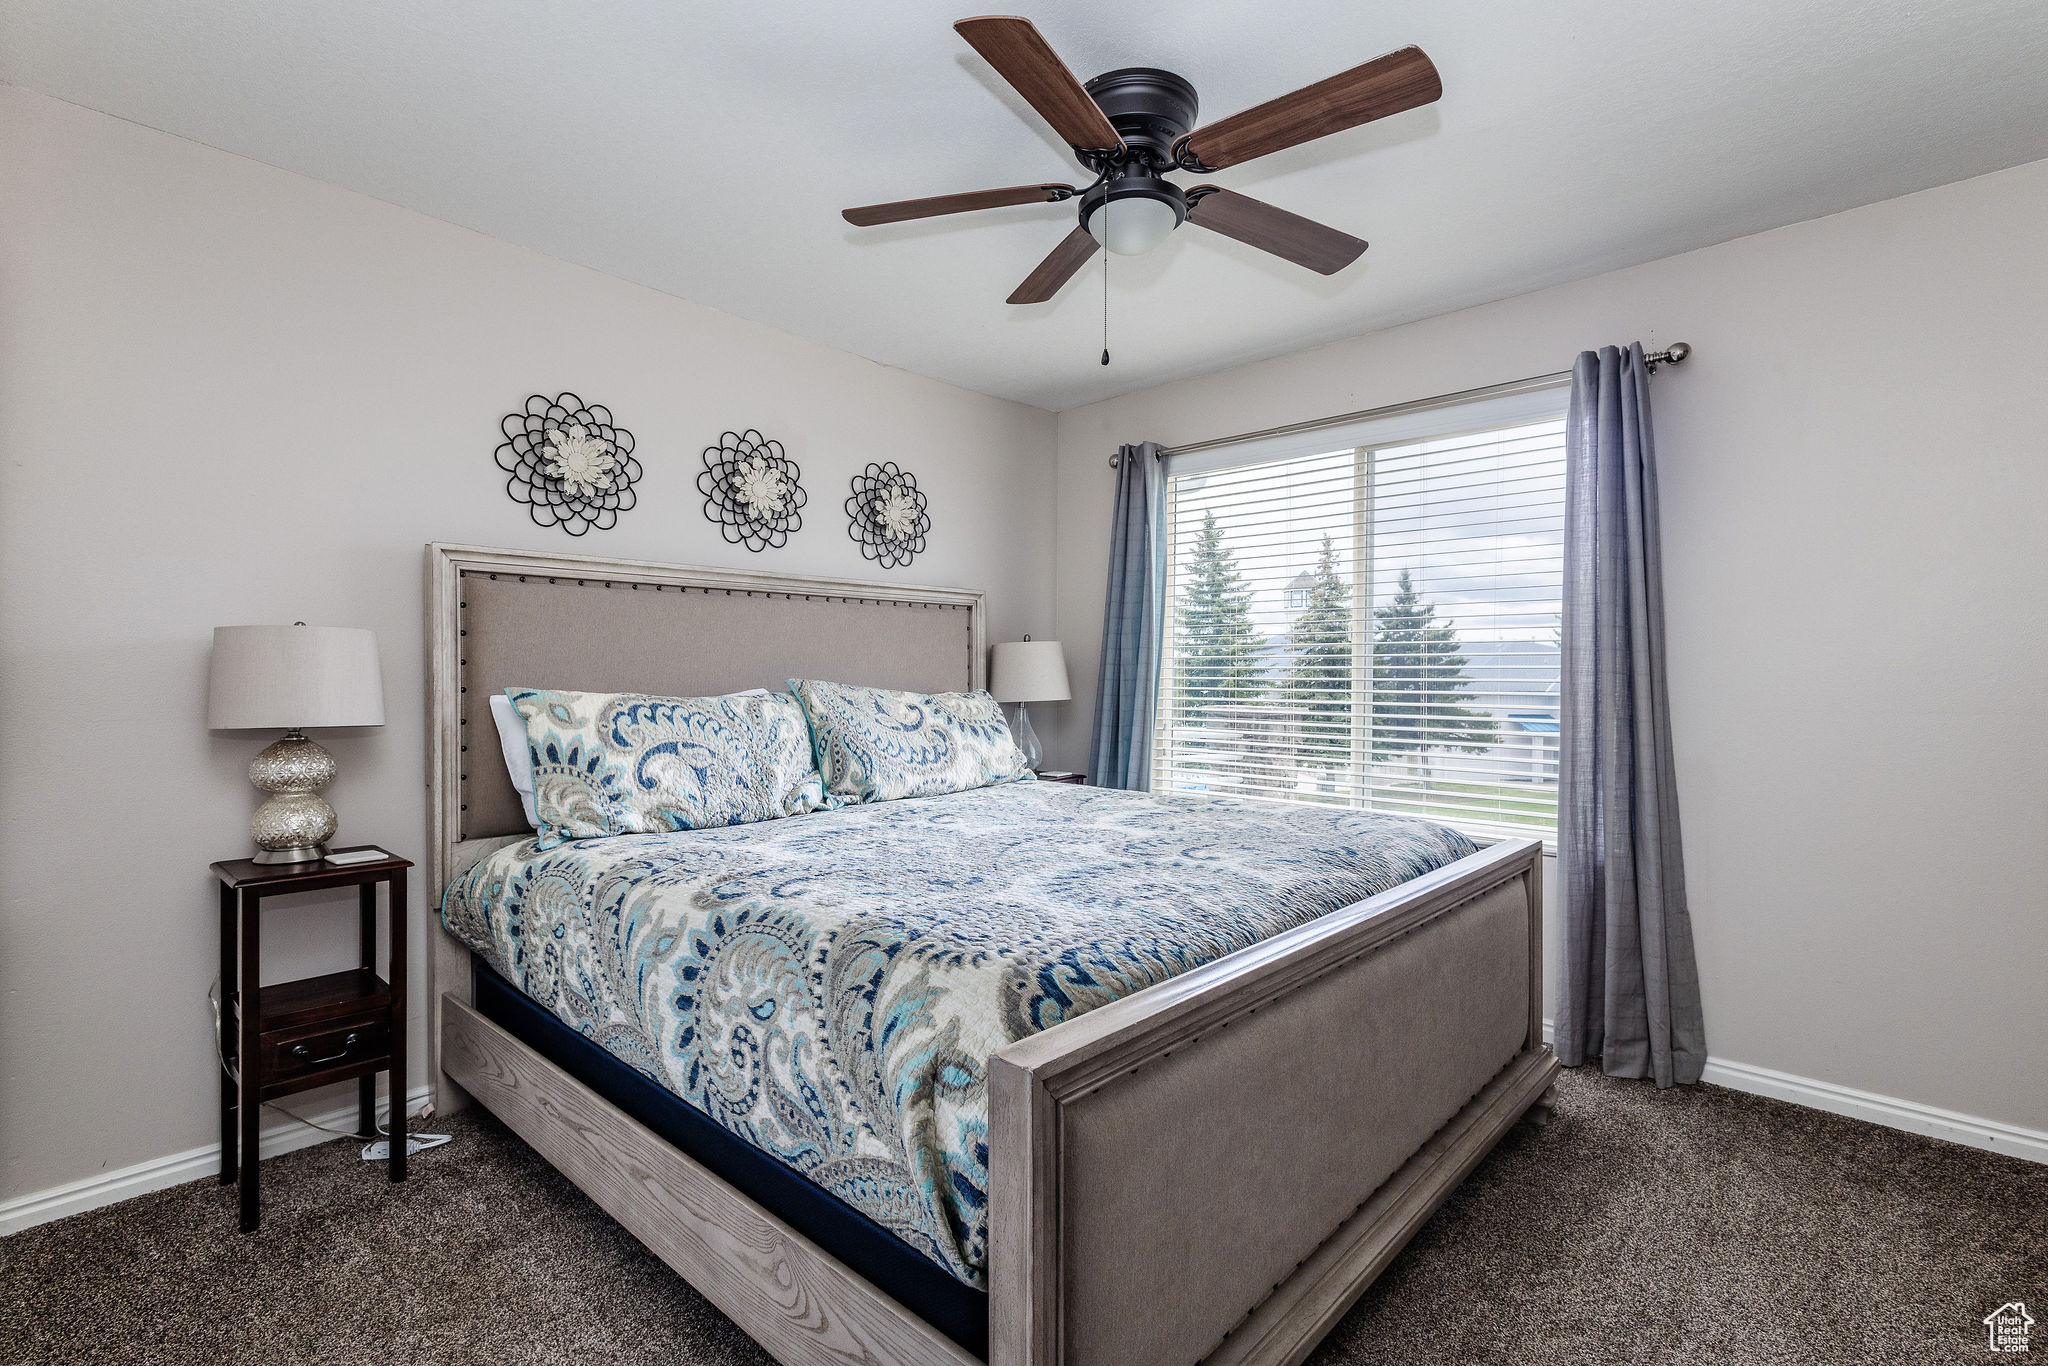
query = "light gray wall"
{"x": 231, "y": 394}
{"x": 1855, "y": 482}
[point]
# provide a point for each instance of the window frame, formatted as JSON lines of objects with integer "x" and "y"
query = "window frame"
{"x": 1535, "y": 401}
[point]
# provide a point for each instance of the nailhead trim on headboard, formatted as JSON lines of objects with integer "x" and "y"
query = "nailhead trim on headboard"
{"x": 462, "y": 775}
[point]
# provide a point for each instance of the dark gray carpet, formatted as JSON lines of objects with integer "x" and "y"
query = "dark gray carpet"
{"x": 1697, "y": 1225}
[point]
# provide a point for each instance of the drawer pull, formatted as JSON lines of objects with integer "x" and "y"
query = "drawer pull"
{"x": 300, "y": 1052}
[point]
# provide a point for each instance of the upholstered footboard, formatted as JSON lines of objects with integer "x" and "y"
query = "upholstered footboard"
{"x": 1215, "y": 1168}
{"x": 1209, "y": 1171}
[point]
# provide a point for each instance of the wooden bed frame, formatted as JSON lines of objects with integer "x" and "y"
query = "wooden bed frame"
{"x": 1211, "y": 1170}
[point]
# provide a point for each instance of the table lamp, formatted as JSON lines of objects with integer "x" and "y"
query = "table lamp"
{"x": 289, "y": 678}
{"x": 1029, "y": 670}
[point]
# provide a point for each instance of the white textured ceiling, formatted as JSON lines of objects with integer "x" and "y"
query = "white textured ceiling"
{"x": 706, "y": 147}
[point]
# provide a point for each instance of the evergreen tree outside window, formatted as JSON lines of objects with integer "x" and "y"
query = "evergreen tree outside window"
{"x": 1418, "y": 682}
{"x": 1320, "y": 685}
{"x": 1217, "y": 649}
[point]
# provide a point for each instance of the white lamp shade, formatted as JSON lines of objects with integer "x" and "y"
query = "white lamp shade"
{"x": 1030, "y": 671}
{"x": 291, "y": 677}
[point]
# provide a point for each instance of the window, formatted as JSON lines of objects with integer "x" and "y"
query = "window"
{"x": 1369, "y": 616}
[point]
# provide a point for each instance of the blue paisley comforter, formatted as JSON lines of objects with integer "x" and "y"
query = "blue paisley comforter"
{"x": 829, "y": 987}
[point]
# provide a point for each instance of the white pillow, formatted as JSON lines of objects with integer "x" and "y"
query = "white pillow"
{"x": 519, "y": 758}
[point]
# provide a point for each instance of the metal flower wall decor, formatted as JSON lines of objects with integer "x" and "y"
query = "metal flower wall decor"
{"x": 568, "y": 463}
{"x": 886, "y": 515}
{"x": 752, "y": 490}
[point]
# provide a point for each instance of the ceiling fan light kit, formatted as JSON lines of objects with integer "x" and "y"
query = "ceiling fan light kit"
{"x": 1133, "y": 212}
{"x": 1134, "y": 126}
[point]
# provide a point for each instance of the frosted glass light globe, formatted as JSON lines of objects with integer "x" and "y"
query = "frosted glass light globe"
{"x": 1133, "y": 225}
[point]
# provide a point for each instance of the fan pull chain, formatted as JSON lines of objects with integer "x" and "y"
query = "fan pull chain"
{"x": 1105, "y": 281}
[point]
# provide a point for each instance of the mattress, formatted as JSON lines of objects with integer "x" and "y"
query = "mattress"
{"x": 828, "y": 988}
{"x": 958, "y": 1310}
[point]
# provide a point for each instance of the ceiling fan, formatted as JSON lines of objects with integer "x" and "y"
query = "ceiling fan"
{"x": 1132, "y": 126}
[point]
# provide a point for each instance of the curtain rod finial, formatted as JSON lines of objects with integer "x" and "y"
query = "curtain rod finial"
{"x": 1675, "y": 354}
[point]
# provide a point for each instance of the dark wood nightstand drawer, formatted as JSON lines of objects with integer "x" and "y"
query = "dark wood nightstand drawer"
{"x": 290, "y": 1055}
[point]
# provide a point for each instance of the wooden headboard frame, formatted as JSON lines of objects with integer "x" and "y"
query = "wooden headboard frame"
{"x": 891, "y": 641}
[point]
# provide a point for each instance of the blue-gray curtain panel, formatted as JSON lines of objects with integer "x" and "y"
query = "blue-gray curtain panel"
{"x": 1127, "y": 687}
{"x": 1630, "y": 992}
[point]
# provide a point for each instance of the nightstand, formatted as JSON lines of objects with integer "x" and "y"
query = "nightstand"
{"x": 1080, "y": 778}
{"x": 294, "y": 1036}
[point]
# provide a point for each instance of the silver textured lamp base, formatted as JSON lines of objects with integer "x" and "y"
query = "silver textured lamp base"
{"x": 294, "y": 825}
{"x": 311, "y": 853}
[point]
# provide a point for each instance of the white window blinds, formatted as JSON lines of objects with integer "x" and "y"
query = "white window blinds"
{"x": 1372, "y": 624}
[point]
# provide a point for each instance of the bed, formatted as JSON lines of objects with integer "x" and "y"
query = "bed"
{"x": 1199, "y": 1148}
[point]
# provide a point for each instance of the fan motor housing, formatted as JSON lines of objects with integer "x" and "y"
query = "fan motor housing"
{"x": 1150, "y": 108}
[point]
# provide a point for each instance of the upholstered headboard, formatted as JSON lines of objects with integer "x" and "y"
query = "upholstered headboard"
{"x": 499, "y": 618}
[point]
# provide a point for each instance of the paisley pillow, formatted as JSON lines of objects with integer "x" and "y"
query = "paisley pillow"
{"x": 628, "y": 764}
{"x": 875, "y": 745}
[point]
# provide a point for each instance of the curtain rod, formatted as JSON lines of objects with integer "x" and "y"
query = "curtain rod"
{"x": 1674, "y": 355}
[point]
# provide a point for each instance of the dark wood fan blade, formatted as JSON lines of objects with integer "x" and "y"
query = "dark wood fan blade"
{"x": 871, "y": 215}
{"x": 1021, "y": 56}
{"x": 1287, "y": 235}
{"x": 1386, "y": 85}
{"x": 1055, "y": 270}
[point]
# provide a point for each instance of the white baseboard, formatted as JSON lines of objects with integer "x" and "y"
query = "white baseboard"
{"x": 282, "y": 1135}
{"x": 1909, "y": 1116}
{"x": 288, "y": 1135}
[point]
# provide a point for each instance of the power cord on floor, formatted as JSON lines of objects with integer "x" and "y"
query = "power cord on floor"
{"x": 377, "y": 1145}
